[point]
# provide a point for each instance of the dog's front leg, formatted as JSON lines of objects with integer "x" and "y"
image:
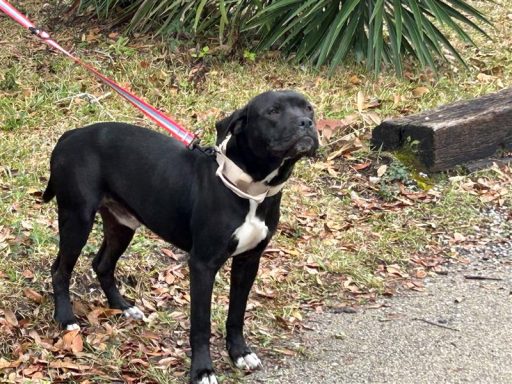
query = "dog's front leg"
{"x": 202, "y": 277}
{"x": 243, "y": 272}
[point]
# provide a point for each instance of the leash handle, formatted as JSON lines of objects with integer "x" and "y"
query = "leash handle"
{"x": 175, "y": 129}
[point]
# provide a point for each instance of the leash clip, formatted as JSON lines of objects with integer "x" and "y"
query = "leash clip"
{"x": 39, "y": 33}
{"x": 34, "y": 30}
{"x": 194, "y": 144}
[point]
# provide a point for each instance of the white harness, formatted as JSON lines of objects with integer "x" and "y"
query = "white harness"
{"x": 239, "y": 181}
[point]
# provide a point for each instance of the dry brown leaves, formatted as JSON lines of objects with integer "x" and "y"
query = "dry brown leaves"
{"x": 488, "y": 189}
{"x": 351, "y": 172}
{"x": 38, "y": 354}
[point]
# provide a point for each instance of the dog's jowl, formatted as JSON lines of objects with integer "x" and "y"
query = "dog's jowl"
{"x": 213, "y": 204}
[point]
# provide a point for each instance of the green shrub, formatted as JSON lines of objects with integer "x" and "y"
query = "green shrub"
{"x": 321, "y": 32}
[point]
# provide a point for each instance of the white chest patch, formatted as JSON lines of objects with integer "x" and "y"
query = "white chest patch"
{"x": 251, "y": 232}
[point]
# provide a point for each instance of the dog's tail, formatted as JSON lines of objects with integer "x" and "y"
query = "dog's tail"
{"x": 49, "y": 193}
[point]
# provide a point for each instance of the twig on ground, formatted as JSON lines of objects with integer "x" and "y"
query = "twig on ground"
{"x": 87, "y": 96}
{"x": 436, "y": 324}
{"x": 478, "y": 277}
{"x": 90, "y": 99}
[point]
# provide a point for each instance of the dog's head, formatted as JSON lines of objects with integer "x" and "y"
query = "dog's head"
{"x": 276, "y": 124}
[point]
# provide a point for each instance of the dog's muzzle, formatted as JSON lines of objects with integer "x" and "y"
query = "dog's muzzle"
{"x": 305, "y": 145}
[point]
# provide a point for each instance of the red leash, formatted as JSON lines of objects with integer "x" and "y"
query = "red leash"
{"x": 158, "y": 117}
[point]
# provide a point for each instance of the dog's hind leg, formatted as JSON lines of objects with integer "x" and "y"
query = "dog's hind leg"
{"x": 243, "y": 272}
{"x": 74, "y": 229}
{"x": 117, "y": 237}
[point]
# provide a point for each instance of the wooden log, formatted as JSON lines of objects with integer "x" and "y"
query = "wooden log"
{"x": 452, "y": 134}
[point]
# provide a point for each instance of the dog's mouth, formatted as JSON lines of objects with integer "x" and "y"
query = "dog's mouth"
{"x": 304, "y": 146}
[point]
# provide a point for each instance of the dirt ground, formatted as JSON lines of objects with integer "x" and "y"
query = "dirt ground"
{"x": 458, "y": 330}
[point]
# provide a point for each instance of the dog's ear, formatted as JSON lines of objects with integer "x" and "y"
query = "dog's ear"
{"x": 231, "y": 124}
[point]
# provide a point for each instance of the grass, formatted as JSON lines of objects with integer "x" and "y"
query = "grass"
{"x": 331, "y": 249}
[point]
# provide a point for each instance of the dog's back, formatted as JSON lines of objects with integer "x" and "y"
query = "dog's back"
{"x": 129, "y": 166}
{"x": 81, "y": 155}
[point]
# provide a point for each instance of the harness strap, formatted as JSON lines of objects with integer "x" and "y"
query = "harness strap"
{"x": 238, "y": 181}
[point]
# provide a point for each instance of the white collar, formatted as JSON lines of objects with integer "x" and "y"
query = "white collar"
{"x": 239, "y": 181}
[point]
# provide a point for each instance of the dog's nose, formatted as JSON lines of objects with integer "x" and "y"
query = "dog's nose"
{"x": 305, "y": 122}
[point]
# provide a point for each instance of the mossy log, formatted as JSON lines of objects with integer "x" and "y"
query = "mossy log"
{"x": 452, "y": 134}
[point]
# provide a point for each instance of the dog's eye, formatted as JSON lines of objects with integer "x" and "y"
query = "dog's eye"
{"x": 309, "y": 108}
{"x": 273, "y": 111}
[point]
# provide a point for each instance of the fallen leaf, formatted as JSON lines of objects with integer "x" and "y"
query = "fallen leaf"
{"x": 395, "y": 270}
{"x": 28, "y": 274}
{"x": 420, "y": 91}
{"x": 348, "y": 146}
{"x": 372, "y": 118}
{"x": 361, "y": 166}
{"x": 484, "y": 78}
{"x": 168, "y": 361}
{"x": 360, "y": 101}
{"x": 396, "y": 100}
{"x": 354, "y": 80}
{"x": 4, "y": 363}
{"x": 169, "y": 278}
{"x": 373, "y": 103}
{"x": 35, "y": 192}
{"x": 71, "y": 341}
{"x": 171, "y": 254}
{"x": 382, "y": 170}
{"x": 33, "y": 295}
{"x": 421, "y": 274}
{"x": 458, "y": 237}
{"x": 27, "y": 225}
{"x": 34, "y": 335}
{"x": 284, "y": 351}
{"x": 31, "y": 370}
{"x": 297, "y": 315}
{"x": 98, "y": 313}
{"x": 142, "y": 362}
{"x": 269, "y": 294}
{"x": 10, "y": 317}
{"x": 68, "y": 365}
{"x": 327, "y": 127}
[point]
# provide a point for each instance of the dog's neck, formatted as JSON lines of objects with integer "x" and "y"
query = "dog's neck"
{"x": 246, "y": 175}
{"x": 271, "y": 171}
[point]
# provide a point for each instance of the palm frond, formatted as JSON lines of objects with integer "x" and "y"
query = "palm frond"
{"x": 322, "y": 32}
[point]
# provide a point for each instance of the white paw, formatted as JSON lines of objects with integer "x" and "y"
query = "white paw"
{"x": 248, "y": 362}
{"x": 208, "y": 380}
{"x": 134, "y": 313}
{"x": 72, "y": 327}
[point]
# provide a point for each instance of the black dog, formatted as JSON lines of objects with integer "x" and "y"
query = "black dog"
{"x": 190, "y": 198}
